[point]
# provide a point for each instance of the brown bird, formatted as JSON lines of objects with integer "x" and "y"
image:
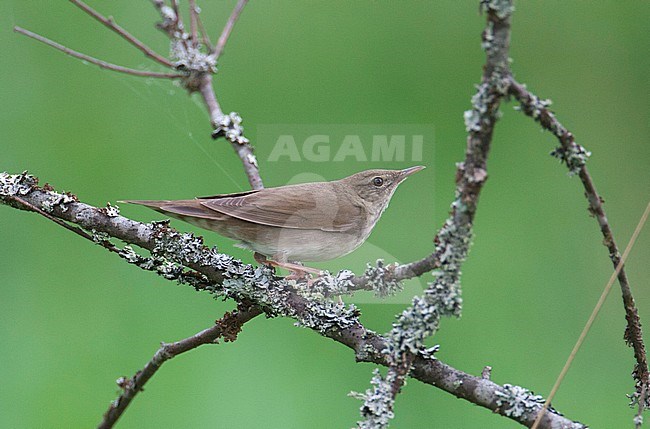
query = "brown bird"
{"x": 305, "y": 222}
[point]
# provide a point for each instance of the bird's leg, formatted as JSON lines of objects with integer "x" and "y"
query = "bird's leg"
{"x": 297, "y": 271}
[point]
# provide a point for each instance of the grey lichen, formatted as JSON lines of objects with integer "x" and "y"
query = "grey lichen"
{"x": 488, "y": 37}
{"x": 325, "y": 316}
{"x": 501, "y": 8}
{"x": 110, "y": 210}
{"x": 473, "y": 116}
{"x": 188, "y": 57}
{"x": 484, "y": 98}
{"x": 17, "y": 184}
{"x": 333, "y": 285}
{"x": 441, "y": 298}
{"x": 180, "y": 247}
{"x": 167, "y": 269}
{"x": 414, "y": 325}
{"x": 377, "y": 408}
{"x": 429, "y": 353}
{"x": 168, "y": 15}
{"x": 641, "y": 389}
{"x": 100, "y": 237}
{"x": 229, "y": 126}
{"x": 535, "y": 107}
{"x": 575, "y": 157}
{"x": 381, "y": 279}
{"x": 516, "y": 401}
{"x": 252, "y": 159}
{"x": 57, "y": 200}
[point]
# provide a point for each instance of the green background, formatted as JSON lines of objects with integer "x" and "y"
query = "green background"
{"x": 74, "y": 317}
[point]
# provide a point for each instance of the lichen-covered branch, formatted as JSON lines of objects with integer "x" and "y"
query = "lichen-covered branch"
{"x": 201, "y": 64}
{"x": 173, "y": 253}
{"x": 574, "y": 156}
{"x": 442, "y": 297}
{"x": 227, "y": 328}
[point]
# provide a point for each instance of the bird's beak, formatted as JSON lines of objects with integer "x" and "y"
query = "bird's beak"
{"x": 408, "y": 171}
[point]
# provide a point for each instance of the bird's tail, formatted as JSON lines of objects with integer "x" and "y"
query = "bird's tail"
{"x": 180, "y": 209}
{"x": 154, "y": 204}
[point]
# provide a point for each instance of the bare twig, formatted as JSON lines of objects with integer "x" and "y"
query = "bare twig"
{"x": 110, "y": 23}
{"x": 204, "y": 34}
{"x": 100, "y": 63}
{"x": 227, "y": 29}
{"x": 80, "y": 232}
{"x": 227, "y": 327}
{"x": 573, "y": 156}
{"x": 193, "y": 22}
{"x": 592, "y": 317}
{"x": 177, "y": 12}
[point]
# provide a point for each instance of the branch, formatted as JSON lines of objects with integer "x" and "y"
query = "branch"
{"x": 110, "y": 23}
{"x": 575, "y": 157}
{"x": 200, "y": 67}
{"x": 443, "y": 296}
{"x": 227, "y": 327}
{"x": 193, "y": 22}
{"x": 229, "y": 126}
{"x": 100, "y": 63}
{"x": 204, "y": 34}
{"x": 227, "y": 29}
{"x": 222, "y": 275}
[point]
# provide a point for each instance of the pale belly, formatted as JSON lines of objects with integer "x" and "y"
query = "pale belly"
{"x": 284, "y": 244}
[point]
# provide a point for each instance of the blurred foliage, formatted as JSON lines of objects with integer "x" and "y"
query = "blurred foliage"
{"x": 74, "y": 318}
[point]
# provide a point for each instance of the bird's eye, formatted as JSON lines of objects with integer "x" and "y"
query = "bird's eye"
{"x": 377, "y": 181}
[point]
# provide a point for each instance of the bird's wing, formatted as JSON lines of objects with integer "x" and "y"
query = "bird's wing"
{"x": 297, "y": 206}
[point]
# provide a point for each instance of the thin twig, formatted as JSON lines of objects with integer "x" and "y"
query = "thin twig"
{"x": 177, "y": 12}
{"x": 592, "y": 317}
{"x": 227, "y": 29}
{"x": 227, "y": 327}
{"x": 533, "y": 107}
{"x": 106, "y": 244}
{"x": 100, "y": 63}
{"x": 400, "y": 272}
{"x": 204, "y": 34}
{"x": 193, "y": 24}
{"x": 110, "y": 23}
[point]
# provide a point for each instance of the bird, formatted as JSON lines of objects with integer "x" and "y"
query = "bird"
{"x": 287, "y": 225}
